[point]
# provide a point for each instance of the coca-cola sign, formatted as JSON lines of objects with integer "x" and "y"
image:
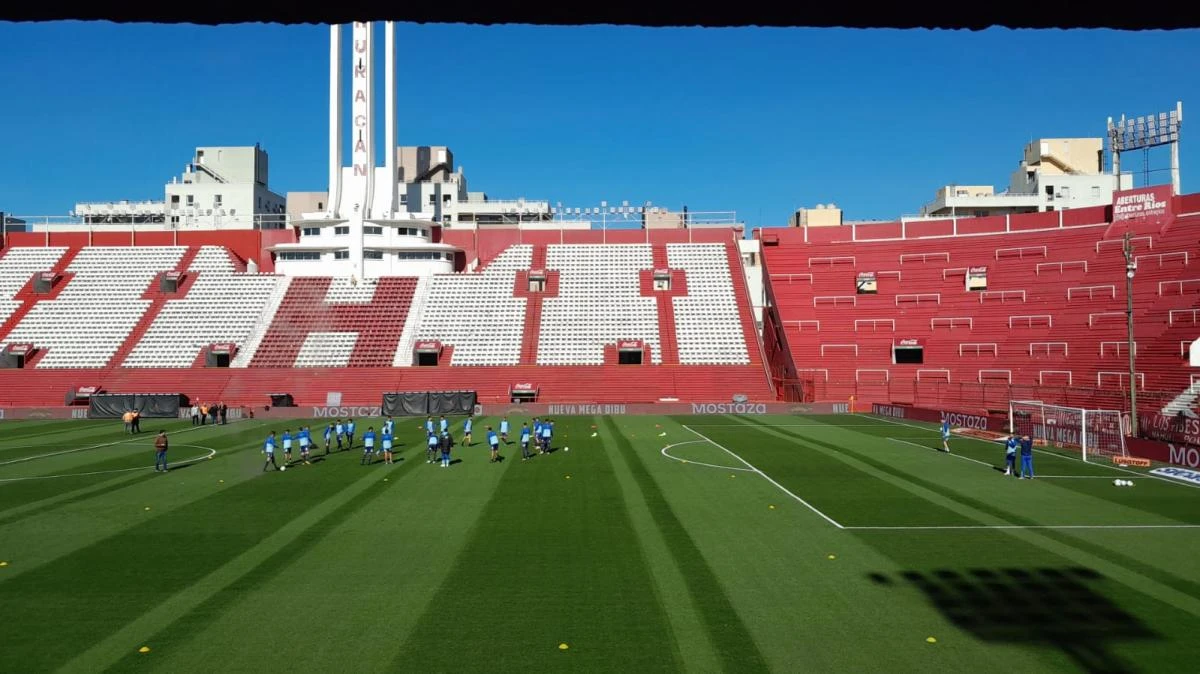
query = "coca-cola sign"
{"x": 429, "y": 346}
{"x": 630, "y": 345}
{"x": 524, "y": 388}
{"x": 910, "y": 342}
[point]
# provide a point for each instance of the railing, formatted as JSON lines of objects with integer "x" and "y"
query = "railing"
{"x": 835, "y": 299}
{"x": 1122, "y": 377}
{"x": 792, "y": 277}
{"x": 918, "y": 297}
{"x": 978, "y": 347}
{"x": 1091, "y": 291}
{"x": 802, "y": 322}
{"x": 1178, "y": 283}
{"x": 1029, "y": 320}
{"x": 1047, "y": 346}
{"x": 881, "y": 274}
{"x": 925, "y": 257}
{"x": 1118, "y": 346}
{"x": 955, "y": 271}
{"x": 1043, "y": 373}
{"x": 1020, "y": 251}
{"x": 832, "y": 260}
{"x": 1102, "y": 314}
{"x": 1060, "y": 265}
{"x": 1002, "y": 294}
{"x": 952, "y": 322}
{"x": 887, "y": 376}
{"x": 839, "y": 346}
{"x": 1188, "y": 312}
{"x": 874, "y": 322}
{"x": 1007, "y": 374}
{"x": 1132, "y": 241}
{"x": 921, "y": 371}
{"x": 1159, "y": 257}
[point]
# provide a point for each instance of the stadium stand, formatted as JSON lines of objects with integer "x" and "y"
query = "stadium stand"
{"x": 1050, "y": 325}
{"x": 17, "y": 268}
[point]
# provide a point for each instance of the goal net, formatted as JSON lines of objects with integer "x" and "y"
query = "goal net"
{"x": 1093, "y": 432}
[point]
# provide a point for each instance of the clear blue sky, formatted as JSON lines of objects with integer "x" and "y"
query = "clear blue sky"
{"x": 754, "y": 120}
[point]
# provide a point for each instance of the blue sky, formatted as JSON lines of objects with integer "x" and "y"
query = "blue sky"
{"x": 752, "y": 120}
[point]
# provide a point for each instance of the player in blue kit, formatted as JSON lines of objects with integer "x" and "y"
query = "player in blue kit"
{"x": 389, "y": 426}
{"x": 504, "y": 430}
{"x": 525, "y": 442}
{"x": 431, "y": 444}
{"x": 387, "y": 442}
{"x": 349, "y": 433}
{"x": 287, "y": 446}
{"x": 1026, "y": 457}
{"x": 1010, "y": 455}
{"x": 305, "y": 436}
{"x": 368, "y": 447}
{"x": 269, "y": 450}
{"x": 445, "y": 443}
{"x": 494, "y": 443}
{"x": 537, "y": 433}
{"x": 328, "y": 437}
{"x": 340, "y": 433}
{"x": 467, "y": 425}
{"x": 428, "y": 425}
{"x": 443, "y": 425}
{"x": 946, "y": 436}
{"x": 547, "y": 433}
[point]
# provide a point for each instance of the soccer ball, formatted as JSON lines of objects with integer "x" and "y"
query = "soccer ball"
{"x": 283, "y": 468}
{"x": 566, "y": 449}
{"x": 1118, "y": 483}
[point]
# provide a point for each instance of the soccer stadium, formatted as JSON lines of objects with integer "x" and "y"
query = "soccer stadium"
{"x": 664, "y": 440}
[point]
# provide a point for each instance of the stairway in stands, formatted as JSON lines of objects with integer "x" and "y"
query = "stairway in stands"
{"x": 668, "y": 343}
{"x": 533, "y": 304}
{"x": 157, "y": 299}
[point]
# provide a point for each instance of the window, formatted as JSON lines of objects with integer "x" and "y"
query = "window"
{"x": 1050, "y": 191}
{"x": 320, "y": 205}
{"x": 341, "y": 255}
{"x": 174, "y": 201}
{"x": 404, "y": 198}
{"x": 433, "y": 198}
{"x": 190, "y": 200}
{"x": 216, "y": 201}
{"x": 981, "y": 214}
{"x": 341, "y": 230}
{"x": 174, "y": 219}
{"x": 372, "y": 230}
{"x": 311, "y": 231}
{"x": 424, "y": 256}
{"x": 1096, "y": 191}
{"x": 299, "y": 255}
{"x": 372, "y": 254}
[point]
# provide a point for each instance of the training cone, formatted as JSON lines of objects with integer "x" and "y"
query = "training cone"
{"x": 931, "y": 640}
{"x": 3, "y": 564}
{"x": 563, "y": 647}
{"x": 568, "y": 477}
{"x": 144, "y": 649}
{"x": 594, "y": 434}
{"x": 771, "y": 507}
{"x": 833, "y": 556}
{"x": 147, "y": 507}
{"x": 221, "y": 481}
{"x": 663, "y": 434}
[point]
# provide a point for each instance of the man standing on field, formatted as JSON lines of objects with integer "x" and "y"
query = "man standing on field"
{"x": 160, "y": 452}
{"x": 1026, "y": 457}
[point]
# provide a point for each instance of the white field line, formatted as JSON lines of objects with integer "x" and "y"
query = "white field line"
{"x": 932, "y": 449}
{"x": 106, "y": 444}
{"x": 766, "y": 477}
{"x": 211, "y": 453}
{"x": 698, "y": 463}
{"x": 831, "y": 427}
{"x": 977, "y": 527}
{"x": 1061, "y": 456}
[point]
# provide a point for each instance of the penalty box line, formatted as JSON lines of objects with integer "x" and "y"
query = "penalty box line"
{"x": 1042, "y": 451}
{"x": 766, "y": 477}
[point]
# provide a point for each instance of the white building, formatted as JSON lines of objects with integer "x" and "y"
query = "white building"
{"x": 221, "y": 188}
{"x": 1054, "y": 174}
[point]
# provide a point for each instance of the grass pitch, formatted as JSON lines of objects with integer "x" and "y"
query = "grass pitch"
{"x": 716, "y": 543}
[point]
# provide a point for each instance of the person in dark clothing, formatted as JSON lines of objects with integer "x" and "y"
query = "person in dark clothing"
{"x": 224, "y": 413}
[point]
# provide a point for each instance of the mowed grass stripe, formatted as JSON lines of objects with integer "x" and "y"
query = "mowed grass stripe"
{"x": 1180, "y": 593}
{"x": 82, "y": 597}
{"x": 552, "y": 560}
{"x": 174, "y": 623}
{"x": 731, "y": 640}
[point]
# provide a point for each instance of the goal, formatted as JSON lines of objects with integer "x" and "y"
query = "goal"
{"x": 1092, "y": 432}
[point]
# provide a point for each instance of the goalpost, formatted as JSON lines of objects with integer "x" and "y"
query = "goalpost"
{"x": 1092, "y": 432}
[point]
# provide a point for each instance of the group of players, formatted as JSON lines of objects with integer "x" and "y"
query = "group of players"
{"x": 340, "y": 434}
{"x": 1011, "y": 445}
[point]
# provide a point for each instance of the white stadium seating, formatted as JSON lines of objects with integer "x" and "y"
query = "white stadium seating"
{"x": 477, "y": 314}
{"x": 219, "y": 307}
{"x": 326, "y": 349}
{"x": 16, "y": 267}
{"x": 599, "y": 302}
{"x": 85, "y": 325}
{"x": 212, "y": 259}
{"x": 708, "y": 324}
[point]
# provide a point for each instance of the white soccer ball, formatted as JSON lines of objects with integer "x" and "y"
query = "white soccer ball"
{"x": 566, "y": 449}
{"x": 283, "y": 468}
{"x": 1117, "y": 483}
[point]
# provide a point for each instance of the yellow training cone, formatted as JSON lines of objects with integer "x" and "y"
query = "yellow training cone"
{"x": 568, "y": 477}
{"x": 563, "y": 647}
{"x": 144, "y": 649}
{"x": 221, "y": 481}
{"x": 833, "y": 556}
{"x": 931, "y": 640}
{"x": 771, "y": 507}
{"x": 3, "y": 563}
{"x": 147, "y": 507}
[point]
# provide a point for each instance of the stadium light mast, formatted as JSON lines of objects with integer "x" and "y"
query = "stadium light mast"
{"x": 1131, "y": 345}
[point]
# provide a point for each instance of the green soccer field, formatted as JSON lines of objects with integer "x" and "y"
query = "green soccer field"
{"x": 700, "y": 544}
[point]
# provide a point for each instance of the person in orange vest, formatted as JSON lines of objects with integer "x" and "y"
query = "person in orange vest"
{"x": 203, "y": 413}
{"x": 160, "y": 452}
{"x": 128, "y": 419}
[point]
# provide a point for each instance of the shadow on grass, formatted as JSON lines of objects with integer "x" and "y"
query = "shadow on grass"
{"x": 1057, "y": 608}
